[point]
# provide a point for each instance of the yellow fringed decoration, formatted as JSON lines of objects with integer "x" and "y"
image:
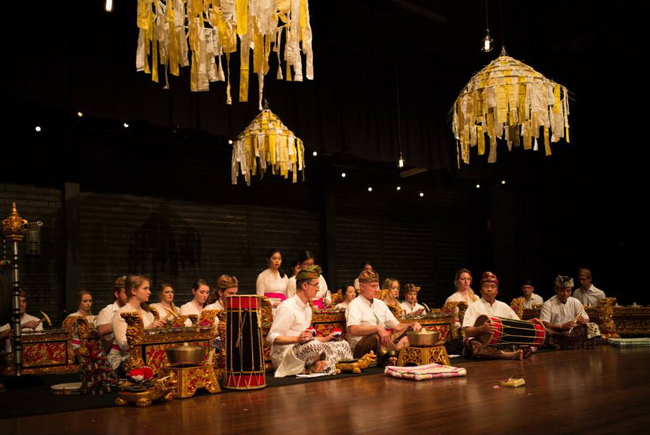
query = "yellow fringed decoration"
{"x": 258, "y": 25}
{"x": 280, "y": 152}
{"x": 481, "y": 140}
{"x": 509, "y": 99}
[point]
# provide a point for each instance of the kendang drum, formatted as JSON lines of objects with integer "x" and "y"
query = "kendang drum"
{"x": 244, "y": 349}
{"x": 509, "y": 331}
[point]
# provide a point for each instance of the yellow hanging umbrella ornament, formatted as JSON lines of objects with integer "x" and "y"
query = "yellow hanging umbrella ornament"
{"x": 509, "y": 100}
{"x": 199, "y": 33}
{"x": 268, "y": 140}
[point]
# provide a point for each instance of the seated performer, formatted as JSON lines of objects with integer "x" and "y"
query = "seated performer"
{"x": 391, "y": 299}
{"x": 137, "y": 289}
{"x": 364, "y": 266}
{"x": 489, "y": 306}
{"x": 272, "y": 283}
{"x": 226, "y": 286}
{"x": 293, "y": 347}
{"x": 348, "y": 296}
{"x": 410, "y": 304}
{"x": 566, "y": 320}
{"x": 167, "y": 310}
{"x": 201, "y": 291}
{"x": 323, "y": 297}
{"x": 84, "y": 304}
{"x": 368, "y": 319}
{"x": 530, "y": 298}
{"x": 464, "y": 292}
{"x": 104, "y": 319}
{"x": 588, "y": 293}
{"x": 27, "y": 322}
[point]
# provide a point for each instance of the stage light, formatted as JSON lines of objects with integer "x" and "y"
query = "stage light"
{"x": 421, "y": 194}
{"x": 369, "y": 189}
{"x": 478, "y": 186}
{"x": 126, "y": 125}
{"x": 80, "y": 115}
{"x": 315, "y": 153}
{"x": 108, "y": 5}
{"x": 38, "y": 128}
{"x": 342, "y": 174}
{"x": 230, "y": 142}
{"x": 399, "y": 188}
{"x": 503, "y": 181}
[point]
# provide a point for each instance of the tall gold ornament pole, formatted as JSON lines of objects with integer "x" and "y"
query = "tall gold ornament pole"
{"x": 13, "y": 229}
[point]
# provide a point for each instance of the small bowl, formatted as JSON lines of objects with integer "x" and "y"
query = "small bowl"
{"x": 423, "y": 337}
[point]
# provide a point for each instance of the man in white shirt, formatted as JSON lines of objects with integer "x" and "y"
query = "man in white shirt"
{"x": 294, "y": 348}
{"x": 588, "y": 293}
{"x": 103, "y": 321}
{"x": 28, "y": 323}
{"x": 490, "y": 307}
{"x": 323, "y": 298}
{"x": 368, "y": 319}
{"x": 410, "y": 304}
{"x": 529, "y": 296}
{"x": 566, "y": 319}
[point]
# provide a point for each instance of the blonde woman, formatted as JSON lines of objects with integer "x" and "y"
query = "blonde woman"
{"x": 392, "y": 296}
{"x": 165, "y": 305}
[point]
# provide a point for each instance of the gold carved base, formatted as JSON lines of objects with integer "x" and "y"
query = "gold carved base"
{"x": 423, "y": 355}
{"x": 189, "y": 379}
{"x": 163, "y": 390}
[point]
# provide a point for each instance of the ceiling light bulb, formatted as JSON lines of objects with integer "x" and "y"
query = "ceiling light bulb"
{"x": 343, "y": 174}
{"x": 487, "y": 43}
{"x": 38, "y": 128}
{"x": 315, "y": 153}
{"x": 421, "y": 194}
{"x": 478, "y": 186}
{"x": 108, "y": 5}
{"x": 370, "y": 189}
{"x": 503, "y": 181}
{"x": 399, "y": 188}
{"x": 230, "y": 142}
{"x": 126, "y": 125}
{"x": 80, "y": 115}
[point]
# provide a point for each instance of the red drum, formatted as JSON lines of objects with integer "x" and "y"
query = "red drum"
{"x": 244, "y": 347}
{"x": 511, "y": 331}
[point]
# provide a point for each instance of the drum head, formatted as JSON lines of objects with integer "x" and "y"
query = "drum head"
{"x": 483, "y": 338}
{"x": 5, "y": 301}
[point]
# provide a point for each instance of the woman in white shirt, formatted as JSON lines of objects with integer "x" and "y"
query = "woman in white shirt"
{"x": 201, "y": 291}
{"x": 348, "y": 296}
{"x": 138, "y": 291}
{"x": 84, "y": 305}
{"x": 392, "y": 296}
{"x": 464, "y": 292}
{"x": 166, "y": 309}
{"x": 272, "y": 283}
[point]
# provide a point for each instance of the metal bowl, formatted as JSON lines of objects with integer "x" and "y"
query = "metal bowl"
{"x": 423, "y": 337}
{"x": 185, "y": 354}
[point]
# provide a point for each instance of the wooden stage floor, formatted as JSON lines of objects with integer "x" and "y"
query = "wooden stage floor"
{"x": 601, "y": 391}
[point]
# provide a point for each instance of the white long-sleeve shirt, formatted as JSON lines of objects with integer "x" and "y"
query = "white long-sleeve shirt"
{"x": 292, "y": 317}
{"x": 268, "y": 282}
{"x": 483, "y": 307}
{"x": 120, "y": 349}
